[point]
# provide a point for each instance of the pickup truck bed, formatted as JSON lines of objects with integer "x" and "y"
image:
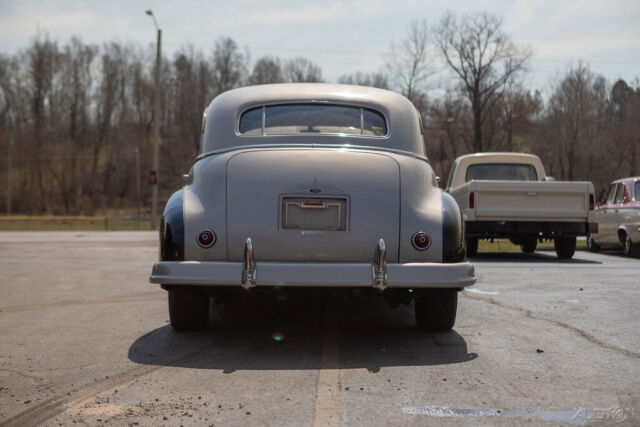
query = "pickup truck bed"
{"x": 507, "y": 195}
{"x": 525, "y": 201}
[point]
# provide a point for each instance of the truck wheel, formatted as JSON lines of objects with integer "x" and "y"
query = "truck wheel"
{"x": 472, "y": 246}
{"x": 592, "y": 245}
{"x": 565, "y": 246}
{"x": 436, "y": 310}
{"x": 629, "y": 248}
{"x": 188, "y": 309}
{"x": 529, "y": 245}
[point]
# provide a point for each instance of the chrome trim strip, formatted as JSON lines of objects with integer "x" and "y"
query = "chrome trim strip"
{"x": 380, "y": 267}
{"x": 248, "y": 265}
{"x": 311, "y": 146}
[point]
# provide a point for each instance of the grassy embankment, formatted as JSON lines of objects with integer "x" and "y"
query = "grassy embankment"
{"x": 66, "y": 223}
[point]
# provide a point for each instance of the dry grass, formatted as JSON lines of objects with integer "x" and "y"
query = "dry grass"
{"x": 504, "y": 245}
{"x": 61, "y": 223}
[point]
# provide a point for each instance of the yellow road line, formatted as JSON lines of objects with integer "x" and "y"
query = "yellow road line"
{"x": 327, "y": 411}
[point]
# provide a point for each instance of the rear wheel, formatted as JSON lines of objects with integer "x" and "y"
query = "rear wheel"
{"x": 188, "y": 309}
{"x": 629, "y": 248}
{"x": 529, "y": 245}
{"x": 565, "y": 246}
{"x": 592, "y": 245}
{"x": 436, "y": 310}
{"x": 472, "y": 246}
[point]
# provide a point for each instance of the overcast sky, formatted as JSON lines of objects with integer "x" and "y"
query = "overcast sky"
{"x": 340, "y": 36}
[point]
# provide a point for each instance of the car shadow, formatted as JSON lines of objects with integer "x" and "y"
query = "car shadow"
{"x": 290, "y": 334}
{"x": 536, "y": 257}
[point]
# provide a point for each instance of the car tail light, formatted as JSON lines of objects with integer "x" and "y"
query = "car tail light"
{"x": 421, "y": 241}
{"x": 592, "y": 202}
{"x": 472, "y": 200}
{"x": 206, "y": 238}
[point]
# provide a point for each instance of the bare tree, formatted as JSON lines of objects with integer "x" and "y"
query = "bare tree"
{"x": 623, "y": 113}
{"x": 42, "y": 67}
{"x": 75, "y": 94}
{"x": 378, "y": 80}
{"x": 410, "y": 64}
{"x": 301, "y": 70}
{"x": 448, "y": 130}
{"x": 266, "y": 70}
{"x": 484, "y": 58}
{"x": 574, "y": 132}
{"x": 190, "y": 92}
{"x": 229, "y": 65}
{"x": 519, "y": 111}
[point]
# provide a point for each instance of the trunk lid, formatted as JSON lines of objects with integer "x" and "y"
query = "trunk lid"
{"x": 322, "y": 205}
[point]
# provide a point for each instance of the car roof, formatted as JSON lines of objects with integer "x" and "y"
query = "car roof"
{"x": 625, "y": 180}
{"x": 279, "y": 92}
{"x": 222, "y": 115}
{"x": 498, "y": 154}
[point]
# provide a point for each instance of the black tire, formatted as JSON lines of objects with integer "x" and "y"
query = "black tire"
{"x": 188, "y": 309}
{"x": 629, "y": 248}
{"x": 436, "y": 310}
{"x": 529, "y": 245}
{"x": 472, "y": 246}
{"x": 565, "y": 246}
{"x": 592, "y": 245}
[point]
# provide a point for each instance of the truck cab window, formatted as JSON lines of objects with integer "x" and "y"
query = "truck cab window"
{"x": 501, "y": 172}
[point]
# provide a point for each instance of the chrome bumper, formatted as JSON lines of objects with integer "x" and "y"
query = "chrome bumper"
{"x": 414, "y": 275}
{"x": 377, "y": 274}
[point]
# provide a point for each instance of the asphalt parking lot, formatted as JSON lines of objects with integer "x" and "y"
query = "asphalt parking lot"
{"x": 84, "y": 338}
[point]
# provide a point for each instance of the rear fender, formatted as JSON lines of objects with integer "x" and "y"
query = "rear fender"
{"x": 453, "y": 247}
{"x": 421, "y": 210}
{"x": 172, "y": 229}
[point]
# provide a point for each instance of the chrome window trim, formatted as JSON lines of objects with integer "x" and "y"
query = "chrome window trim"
{"x": 312, "y": 146}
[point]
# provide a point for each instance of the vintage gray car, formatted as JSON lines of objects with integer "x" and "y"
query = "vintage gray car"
{"x": 302, "y": 186}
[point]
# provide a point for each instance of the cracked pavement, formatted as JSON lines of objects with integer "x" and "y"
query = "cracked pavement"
{"x": 84, "y": 339}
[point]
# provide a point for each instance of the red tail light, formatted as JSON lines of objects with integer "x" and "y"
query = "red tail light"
{"x": 206, "y": 238}
{"x": 472, "y": 200}
{"x": 592, "y": 202}
{"x": 421, "y": 241}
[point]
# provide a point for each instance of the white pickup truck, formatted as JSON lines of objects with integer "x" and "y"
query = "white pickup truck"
{"x": 508, "y": 195}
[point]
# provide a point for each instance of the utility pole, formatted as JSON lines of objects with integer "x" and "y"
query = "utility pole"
{"x": 9, "y": 172}
{"x": 138, "y": 191}
{"x": 154, "y": 176}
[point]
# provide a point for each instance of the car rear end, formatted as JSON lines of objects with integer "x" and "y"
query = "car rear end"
{"x": 322, "y": 187}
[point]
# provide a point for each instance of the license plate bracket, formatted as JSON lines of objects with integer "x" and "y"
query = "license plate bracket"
{"x": 322, "y": 214}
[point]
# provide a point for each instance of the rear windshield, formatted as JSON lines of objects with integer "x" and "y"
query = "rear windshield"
{"x": 312, "y": 119}
{"x": 501, "y": 172}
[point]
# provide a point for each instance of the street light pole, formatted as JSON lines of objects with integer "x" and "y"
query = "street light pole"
{"x": 155, "y": 173}
{"x": 9, "y": 172}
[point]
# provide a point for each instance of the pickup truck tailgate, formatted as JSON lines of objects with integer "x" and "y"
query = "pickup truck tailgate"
{"x": 535, "y": 200}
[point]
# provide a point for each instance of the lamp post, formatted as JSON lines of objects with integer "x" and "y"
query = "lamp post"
{"x": 154, "y": 176}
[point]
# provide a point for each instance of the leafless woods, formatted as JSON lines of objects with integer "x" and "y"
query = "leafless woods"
{"x": 75, "y": 118}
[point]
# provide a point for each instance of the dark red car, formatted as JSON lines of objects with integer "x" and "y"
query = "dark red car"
{"x": 618, "y": 218}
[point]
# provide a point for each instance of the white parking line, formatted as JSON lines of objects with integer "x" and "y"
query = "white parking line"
{"x": 478, "y": 291}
